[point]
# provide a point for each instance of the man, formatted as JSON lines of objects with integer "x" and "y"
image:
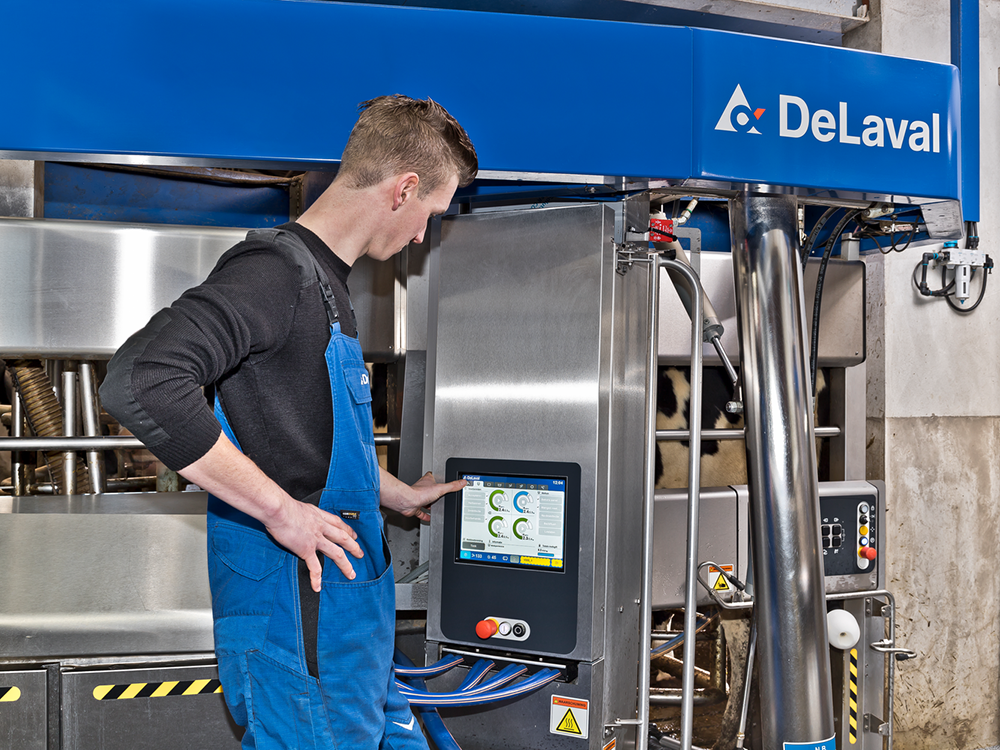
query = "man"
{"x": 288, "y": 454}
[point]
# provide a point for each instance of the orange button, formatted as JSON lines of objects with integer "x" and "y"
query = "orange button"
{"x": 868, "y": 553}
{"x": 486, "y": 628}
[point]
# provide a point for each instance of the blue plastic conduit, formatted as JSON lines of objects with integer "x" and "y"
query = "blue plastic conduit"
{"x": 965, "y": 56}
{"x": 433, "y": 724}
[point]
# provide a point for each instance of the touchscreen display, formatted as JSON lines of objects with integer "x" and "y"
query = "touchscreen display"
{"x": 518, "y": 521}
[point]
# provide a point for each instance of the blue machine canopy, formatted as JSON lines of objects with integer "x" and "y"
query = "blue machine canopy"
{"x": 278, "y": 81}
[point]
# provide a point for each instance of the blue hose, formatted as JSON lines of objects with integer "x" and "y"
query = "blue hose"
{"x": 476, "y": 674}
{"x": 536, "y": 681}
{"x": 439, "y": 667}
{"x": 433, "y": 724}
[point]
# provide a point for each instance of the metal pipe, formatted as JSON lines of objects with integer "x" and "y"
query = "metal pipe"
{"x": 68, "y": 443}
{"x": 797, "y": 704}
{"x": 92, "y": 426}
{"x": 69, "y": 429}
{"x": 130, "y": 484}
{"x": 646, "y": 616}
{"x": 694, "y": 497}
{"x": 673, "y": 697}
{"x": 734, "y": 434}
{"x": 741, "y": 735}
{"x": 18, "y": 469}
{"x": 101, "y": 443}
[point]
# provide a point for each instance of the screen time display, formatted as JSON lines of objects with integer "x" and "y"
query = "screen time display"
{"x": 518, "y": 521}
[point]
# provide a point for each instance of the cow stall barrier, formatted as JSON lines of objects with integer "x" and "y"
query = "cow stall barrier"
{"x": 657, "y": 264}
{"x": 680, "y": 271}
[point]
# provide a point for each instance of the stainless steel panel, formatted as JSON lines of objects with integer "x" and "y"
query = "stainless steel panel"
{"x": 196, "y": 720}
{"x": 375, "y": 294}
{"x": 796, "y": 700}
{"x": 78, "y": 289}
{"x": 23, "y": 709}
{"x": 724, "y": 538}
{"x": 842, "y": 316}
{"x": 515, "y": 360}
{"x": 93, "y": 577}
{"x": 22, "y": 185}
{"x": 869, "y": 697}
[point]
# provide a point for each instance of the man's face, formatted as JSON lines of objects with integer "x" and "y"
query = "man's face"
{"x": 409, "y": 221}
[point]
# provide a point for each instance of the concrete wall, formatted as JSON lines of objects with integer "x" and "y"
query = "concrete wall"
{"x": 934, "y": 436}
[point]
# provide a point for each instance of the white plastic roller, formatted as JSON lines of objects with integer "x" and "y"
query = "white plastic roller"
{"x": 843, "y": 629}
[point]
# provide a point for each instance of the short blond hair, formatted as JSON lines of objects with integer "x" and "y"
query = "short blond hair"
{"x": 397, "y": 134}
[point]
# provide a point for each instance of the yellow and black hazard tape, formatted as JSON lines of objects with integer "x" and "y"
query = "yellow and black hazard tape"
{"x": 9, "y": 694}
{"x": 852, "y": 734}
{"x": 156, "y": 689}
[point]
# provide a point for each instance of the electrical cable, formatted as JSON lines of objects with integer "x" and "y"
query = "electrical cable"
{"x": 508, "y": 674}
{"x": 471, "y": 698}
{"x": 909, "y": 239}
{"x": 431, "y": 719}
{"x": 476, "y": 674}
{"x": 807, "y": 247}
{"x": 438, "y": 668}
{"x": 818, "y": 299}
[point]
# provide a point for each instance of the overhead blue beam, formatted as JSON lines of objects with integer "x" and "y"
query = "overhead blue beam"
{"x": 280, "y": 80}
{"x": 965, "y": 55}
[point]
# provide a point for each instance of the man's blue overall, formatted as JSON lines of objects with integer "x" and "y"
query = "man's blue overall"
{"x": 349, "y": 701}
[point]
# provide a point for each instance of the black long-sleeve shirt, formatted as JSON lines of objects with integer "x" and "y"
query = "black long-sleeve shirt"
{"x": 257, "y": 329}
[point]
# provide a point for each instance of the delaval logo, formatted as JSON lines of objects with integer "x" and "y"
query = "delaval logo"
{"x": 796, "y": 120}
{"x": 736, "y": 117}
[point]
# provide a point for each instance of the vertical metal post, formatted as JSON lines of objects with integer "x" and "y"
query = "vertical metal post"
{"x": 796, "y": 693}
{"x": 18, "y": 469}
{"x": 646, "y": 620}
{"x": 694, "y": 497}
{"x": 92, "y": 426}
{"x": 69, "y": 429}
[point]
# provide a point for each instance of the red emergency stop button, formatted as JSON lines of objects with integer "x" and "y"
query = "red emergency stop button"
{"x": 486, "y": 628}
{"x": 868, "y": 553}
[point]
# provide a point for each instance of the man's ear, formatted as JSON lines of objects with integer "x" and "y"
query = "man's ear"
{"x": 404, "y": 189}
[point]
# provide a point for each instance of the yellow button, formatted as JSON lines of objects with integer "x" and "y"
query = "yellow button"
{"x": 542, "y": 561}
{"x": 863, "y": 531}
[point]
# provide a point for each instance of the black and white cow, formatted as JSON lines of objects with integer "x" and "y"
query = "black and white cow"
{"x": 723, "y": 461}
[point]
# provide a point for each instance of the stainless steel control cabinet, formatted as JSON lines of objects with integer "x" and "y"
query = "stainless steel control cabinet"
{"x": 539, "y": 353}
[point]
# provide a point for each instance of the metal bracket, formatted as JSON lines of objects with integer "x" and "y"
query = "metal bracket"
{"x": 629, "y": 254}
{"x": 632, "y": 221}
{"x": 873, "y": 723}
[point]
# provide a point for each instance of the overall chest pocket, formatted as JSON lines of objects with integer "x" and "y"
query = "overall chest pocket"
{"x": 358, "y": 383}
{"x": 360, "y": 433}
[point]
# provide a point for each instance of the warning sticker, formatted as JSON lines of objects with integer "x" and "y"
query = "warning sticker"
{"x": 611, "y": 745}
{"x": 718, "y": 581}
{"x": 569, "y": 717}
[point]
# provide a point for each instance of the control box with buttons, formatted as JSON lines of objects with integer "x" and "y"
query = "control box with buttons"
{"x": 851, "y": 516}
{"x": 504, "y": 628}
{"x": 850, "y": 531}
